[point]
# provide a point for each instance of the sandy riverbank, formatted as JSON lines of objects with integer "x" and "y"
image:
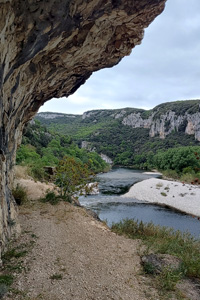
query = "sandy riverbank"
{"x": 184, "y": 197}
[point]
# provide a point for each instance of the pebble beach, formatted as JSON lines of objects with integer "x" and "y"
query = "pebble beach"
{"x": 181, "y": 196}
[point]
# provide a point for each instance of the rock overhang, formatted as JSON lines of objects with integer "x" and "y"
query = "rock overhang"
{"x": 49, "y": 48}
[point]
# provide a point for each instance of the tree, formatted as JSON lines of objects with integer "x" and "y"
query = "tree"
{"x": 72, "y": 176}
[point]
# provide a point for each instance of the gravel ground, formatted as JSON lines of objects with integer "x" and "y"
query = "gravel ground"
{"x": 90, "y": 261}
{"x": 185, "y": 197}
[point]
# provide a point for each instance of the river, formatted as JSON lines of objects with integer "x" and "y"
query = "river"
{"x": 110, "y": 205}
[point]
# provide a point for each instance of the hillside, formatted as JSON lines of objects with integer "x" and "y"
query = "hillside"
{"x": 41, "y": 148}
{"x": 126, "y": 135}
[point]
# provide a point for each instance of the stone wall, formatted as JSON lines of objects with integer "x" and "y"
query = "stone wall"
{"x": 48, "y": 49}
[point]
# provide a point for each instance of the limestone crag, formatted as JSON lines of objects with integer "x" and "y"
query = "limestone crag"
{"x": 166, "y": 123}
{"x": 106, "y": 159}
{"x": 136, "y": 121}
{"x": 48, "y": 49}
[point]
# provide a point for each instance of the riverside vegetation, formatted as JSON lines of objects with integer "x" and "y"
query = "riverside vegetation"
{"x": 41, "y": 147}
{"x": 161, "y": 240}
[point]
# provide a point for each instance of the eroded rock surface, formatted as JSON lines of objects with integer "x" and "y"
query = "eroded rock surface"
{"x": 48, "y": 49}
{"x": 166, "y": 123}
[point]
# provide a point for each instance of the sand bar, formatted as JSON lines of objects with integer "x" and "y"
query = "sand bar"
{"x": 184, "y": 197}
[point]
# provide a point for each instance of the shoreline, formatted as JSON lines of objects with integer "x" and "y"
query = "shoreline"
{"x": 177, "y": 195}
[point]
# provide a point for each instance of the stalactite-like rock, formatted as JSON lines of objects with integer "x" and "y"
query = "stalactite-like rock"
{"x": 48, "y": 49}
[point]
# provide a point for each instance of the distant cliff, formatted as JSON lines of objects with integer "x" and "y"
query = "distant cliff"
{"x": 165, "y": 118}
{"x": 179, "y": 116}
{"x": 122, "y": 134}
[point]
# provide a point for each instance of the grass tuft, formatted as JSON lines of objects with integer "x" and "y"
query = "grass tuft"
{"x": 50, "y": 197}
{"x": 13, "y": 253}
{"x": 165, "y": 241}
{"x": 6, "y": 279}
{"x": 54, "y": 199}
{"x": 20, "y": 194}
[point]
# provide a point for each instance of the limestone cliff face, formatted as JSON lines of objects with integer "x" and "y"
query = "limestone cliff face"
{"x": 165, "y": 123}
{"x": 48, "y": 49}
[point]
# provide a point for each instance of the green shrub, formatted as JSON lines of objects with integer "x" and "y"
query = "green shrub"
{"x": 38, "y": 173}
{"x": 187, "y": 177}
{"x": 168, "y": 279}
{"x": 6, "y": 279}
{"x": 20, "y": 194}
{"x": 171, "y": 174}
{"x": 188, "y": 170}
{"x": 13, "y": 253}
{"x": 51, "y": 197}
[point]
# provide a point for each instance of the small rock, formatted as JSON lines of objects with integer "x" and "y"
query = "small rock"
{"x": 159, "y": 262}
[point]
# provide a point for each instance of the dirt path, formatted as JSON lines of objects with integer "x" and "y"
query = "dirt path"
{"x": 73, "y": 256}
{"x": 86, "y": 260}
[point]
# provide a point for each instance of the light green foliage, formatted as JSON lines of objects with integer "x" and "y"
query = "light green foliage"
{"x": 72, "y": 176}
{"x": 42, "y": 148}
{"x": 171, "y": 174}
{"x": 26, "y": 154}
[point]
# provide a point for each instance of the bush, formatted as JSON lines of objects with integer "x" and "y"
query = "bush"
{"x": 38, "y": 173}
{"x": 72, "y": 177}
{"x": 171, "y": 174}
{"x": 20, "y": 194}
{"x": 51, "y": 197}
{"x": 54, "y": 199}
{"x": 189, "y": 170}
{"x": 188, "y": 177}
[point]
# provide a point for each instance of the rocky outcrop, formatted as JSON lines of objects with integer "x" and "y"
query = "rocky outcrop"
{"x": 48, "y": 49}
{"x": 166, "y": 123}
{"x": 107, "y": 159}
{"x": 179, "y": 116}
{"x": 136, "y": 121}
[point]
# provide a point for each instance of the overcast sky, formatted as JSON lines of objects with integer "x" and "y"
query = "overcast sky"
{"x": 165, "y": 67}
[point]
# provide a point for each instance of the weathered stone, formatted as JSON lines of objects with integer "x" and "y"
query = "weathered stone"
{"x": 166, "y": 123}
{"x": 106, "y": 159}
{"x": 49, "y": 49}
